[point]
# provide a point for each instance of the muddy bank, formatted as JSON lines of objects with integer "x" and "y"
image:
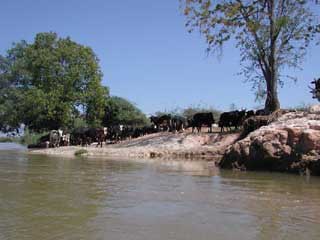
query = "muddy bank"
{"x": 289, "y": 144}
{"x": 208, "y": 146}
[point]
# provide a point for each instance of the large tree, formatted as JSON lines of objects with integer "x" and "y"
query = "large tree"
{"x": 271, "y": 35}
{"x": 50, "y": 82}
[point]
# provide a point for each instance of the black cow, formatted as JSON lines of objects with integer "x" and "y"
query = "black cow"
{"x": 86, "y": 136}
{"x": 262, "y": 112}
{"x": 154, "y": 120}
{"x": 162, "y": 122}
{"x": 178, "y": 123}
{"x": 149, "y": 129}
{"x": 231, "y": 119}
{"x": 201, "y": 119}
{"x": 115, "y": 133}
{"x": 78, "y": 136}
{"x": 250, "y": 113}
{"x": 99, "y": 135}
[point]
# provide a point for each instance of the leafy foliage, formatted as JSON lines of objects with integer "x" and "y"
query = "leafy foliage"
{"x": 44, "y": 84}
{"x": 121, "y": 111}
{"x": 271, "y": 35}
{"x": 30, "y": 137}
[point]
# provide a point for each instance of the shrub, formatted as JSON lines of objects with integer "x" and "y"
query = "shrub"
{"x": 31, "y": 137}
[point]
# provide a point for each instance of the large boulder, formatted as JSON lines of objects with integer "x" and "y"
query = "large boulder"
{"x": 291, "y": 143}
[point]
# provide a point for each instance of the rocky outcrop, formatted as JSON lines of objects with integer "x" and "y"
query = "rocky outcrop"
{"x": 289, "y": 144}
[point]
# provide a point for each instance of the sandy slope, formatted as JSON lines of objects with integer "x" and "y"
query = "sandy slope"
{"x": 208, "y": 146}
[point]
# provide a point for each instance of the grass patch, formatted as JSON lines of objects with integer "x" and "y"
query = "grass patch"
{"x": 80, "y": 152}
{"x": 29, "y": 138}
{"x": 6, "y": 140}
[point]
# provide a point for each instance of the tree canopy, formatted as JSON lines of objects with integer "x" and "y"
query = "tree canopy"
{"x": 271, "y": 35}
{"x": 48, "y": 83}
{"x": 121, "y": 111}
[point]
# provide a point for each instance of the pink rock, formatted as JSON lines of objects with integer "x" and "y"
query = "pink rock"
{"x": 310, "y": 140}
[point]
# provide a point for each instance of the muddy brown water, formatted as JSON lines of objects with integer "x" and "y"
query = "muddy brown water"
{"x": 45, "y": 197}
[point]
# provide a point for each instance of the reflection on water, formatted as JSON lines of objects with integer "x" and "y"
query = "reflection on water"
{"x": 55, "y": 198}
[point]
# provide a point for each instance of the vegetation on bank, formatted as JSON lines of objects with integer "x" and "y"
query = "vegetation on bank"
{"x": 6, "y": 139}
{"x": 49, "y": 83}
{"x": 80, "y": 152}
{"x": 54, "y": 83}
{"x": 28, "y": 138}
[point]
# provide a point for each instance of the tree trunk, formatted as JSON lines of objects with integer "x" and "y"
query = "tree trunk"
{"x": 272, "y": 101}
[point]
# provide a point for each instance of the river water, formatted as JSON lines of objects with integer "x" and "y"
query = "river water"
{"x": 45, "y": 197}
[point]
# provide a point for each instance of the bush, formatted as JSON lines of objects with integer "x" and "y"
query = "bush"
{"x": 29, "y": 138}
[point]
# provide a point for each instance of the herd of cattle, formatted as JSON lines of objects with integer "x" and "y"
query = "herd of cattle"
{"x": 116, "y": 133}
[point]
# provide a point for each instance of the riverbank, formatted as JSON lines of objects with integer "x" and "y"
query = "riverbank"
{"x": 290, "y": 143}
{"x": 208, "y": 146}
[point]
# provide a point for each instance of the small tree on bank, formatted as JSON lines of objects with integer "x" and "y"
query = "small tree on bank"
{"x": 270, "y": 34}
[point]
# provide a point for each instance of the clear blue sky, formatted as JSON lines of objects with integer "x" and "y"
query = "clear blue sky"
{"x": 145, "y": 52}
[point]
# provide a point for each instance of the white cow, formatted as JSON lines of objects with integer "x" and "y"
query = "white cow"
{"x": 65, "y": 140}
{"x": 55, "y": 137}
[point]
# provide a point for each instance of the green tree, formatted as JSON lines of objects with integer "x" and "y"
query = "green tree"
{"x": 271, "y": 35}
{"x": 47, "y": 83}
{"x": 121, "y": 111}
{"x": 9, "y": 97}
